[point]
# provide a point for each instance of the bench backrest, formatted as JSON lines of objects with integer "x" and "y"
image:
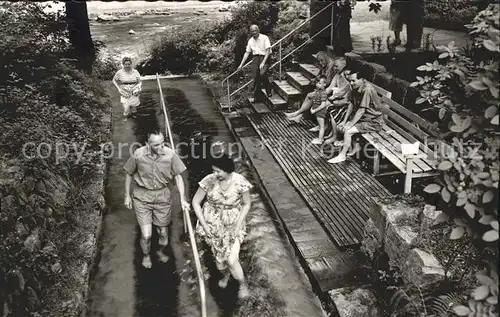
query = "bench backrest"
{"x": 408, "y": 124}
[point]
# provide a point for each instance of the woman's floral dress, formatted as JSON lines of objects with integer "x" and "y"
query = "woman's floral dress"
{"x": 221, "y": 210}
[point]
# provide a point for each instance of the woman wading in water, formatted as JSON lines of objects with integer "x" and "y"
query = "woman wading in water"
{"x": 128, "y": 82}
{"x": 221, "y": 220}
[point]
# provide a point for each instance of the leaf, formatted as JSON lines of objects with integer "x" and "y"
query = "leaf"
{"x": 486, "y": 219}
{"x": 491, "y": 46}
{"x": 432, "y": 188}
{"x": 445, "y": 194}
{"x": 443, "y": 55}
{"x": 478, "y": 85}
{"x": 435, "y": 92}
{"x": 481, "y": 292}
{"x": 442, "y": 112}
{"x": 490, "y": 236}
{"x": 483, "y": 175}
{"x": 422, "y": 68}
{"x": 470, "y": 209}
{"x": 442, "y": 217}
{"x": 420, "y": 100}
{"x": 488, "y": 196}
{"x": 461, "y": 310}
{"x": 493, "y": 300}
{"x": 456, "y": 119}
{"x": 461, "y": 201}
{"x": 490, "y": 112}
{"x": 457, "y": 233}
{"x": 466, "y": 123}
{"x": 445, "y": 165}
{"x": 494, "y": 224}
{"x": 485, "y": 280}
{"x": 494, "y": 120}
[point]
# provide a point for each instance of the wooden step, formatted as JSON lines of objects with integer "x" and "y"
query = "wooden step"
{"x": 287, "y": 91}
{"x": 275, "y": 102}
{"x": 259, "y": 107}
{"x": 299, "y": 81}
{"x": 309, "y": 70}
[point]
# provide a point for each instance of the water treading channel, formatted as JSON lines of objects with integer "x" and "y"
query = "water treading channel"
{"x": 121, "y": 286}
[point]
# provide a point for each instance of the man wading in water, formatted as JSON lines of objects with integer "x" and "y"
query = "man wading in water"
{"x": 152, "y": 167}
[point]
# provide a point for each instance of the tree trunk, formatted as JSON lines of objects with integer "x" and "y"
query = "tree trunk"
{"x": 79, "y": 33}
{"x": 341, "y": 40}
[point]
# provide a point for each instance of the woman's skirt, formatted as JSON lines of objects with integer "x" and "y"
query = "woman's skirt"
{"x": 130, "y": 99}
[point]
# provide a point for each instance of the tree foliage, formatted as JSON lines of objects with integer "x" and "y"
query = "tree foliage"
{"x": 43, "y": 99}
{"x": 464, "y": 86}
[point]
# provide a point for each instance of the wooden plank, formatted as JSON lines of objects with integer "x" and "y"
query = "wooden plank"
{"x": 403, "y": 136}
{"x": 421, "y": 135}
{"x": 381, "y": 91}
{"x": 322, "y": 189}
{"x": 390, "y": 144}
{"x": 338, "y": 233}
{"x": 413, "y": 117}
{"x": 385, "y": 152}
{"x": 312, "y": 175}
{"x": 395, "y": 138}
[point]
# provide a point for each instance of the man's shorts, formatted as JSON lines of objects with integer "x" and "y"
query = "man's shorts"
{"x": 396, "y": 20}
{"x": 153, "y": 206}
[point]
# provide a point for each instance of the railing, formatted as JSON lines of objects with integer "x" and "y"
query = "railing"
{"x": 187, "y": 220}
{"x": 280, "y": 59}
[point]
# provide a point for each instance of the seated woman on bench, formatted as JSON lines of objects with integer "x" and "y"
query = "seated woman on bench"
{"x": 338, "y": 87}
{"x": 368, "y": 117}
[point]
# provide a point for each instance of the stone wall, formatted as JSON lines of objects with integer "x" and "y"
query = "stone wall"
{"x": 395, "y": 224}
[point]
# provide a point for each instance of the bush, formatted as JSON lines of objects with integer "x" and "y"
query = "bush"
{"x": 44, "y": 99}
{"x": 220, "y": 46}
{"x": 449, "y": 14}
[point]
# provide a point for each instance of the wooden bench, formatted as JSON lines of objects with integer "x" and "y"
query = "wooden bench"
{"x": 402, "y": 127}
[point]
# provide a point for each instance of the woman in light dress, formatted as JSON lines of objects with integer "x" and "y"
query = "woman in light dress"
{"x": 221, "y": 220}
{"x": 128, "y": 82}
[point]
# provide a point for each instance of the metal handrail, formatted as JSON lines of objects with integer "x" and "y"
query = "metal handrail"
{"x": 284, "y": 37}
{"x": 187, "y": 219}
{"x": 229, "y": 94}
{"x": 279, "y": 62}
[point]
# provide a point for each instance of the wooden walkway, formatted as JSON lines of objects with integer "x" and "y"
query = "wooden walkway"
{"x": 338, "y": 194}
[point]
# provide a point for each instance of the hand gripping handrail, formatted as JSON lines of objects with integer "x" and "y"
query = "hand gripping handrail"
{"x": 187, "y": 219}
{"x": 284, "y": 37}
{"x": 331, "y": 5}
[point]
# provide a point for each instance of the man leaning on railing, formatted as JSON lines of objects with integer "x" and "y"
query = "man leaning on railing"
{"x": 260, "y": 48}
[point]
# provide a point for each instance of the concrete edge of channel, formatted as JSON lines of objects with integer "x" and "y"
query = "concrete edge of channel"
{"x": 323, "y": 297}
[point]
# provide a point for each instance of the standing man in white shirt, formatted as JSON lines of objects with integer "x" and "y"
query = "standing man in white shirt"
{"x": 260, "y": 48}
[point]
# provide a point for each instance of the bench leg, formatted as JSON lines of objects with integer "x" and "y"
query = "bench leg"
{"x": 376, "y": 163}
{"x": 409, "y": 175}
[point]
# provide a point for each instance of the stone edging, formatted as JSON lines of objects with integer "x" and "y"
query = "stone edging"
{"x": 92, "y": 242}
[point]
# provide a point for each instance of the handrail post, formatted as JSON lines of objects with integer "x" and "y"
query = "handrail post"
{"x": 228, "y": 95}
{"x": 187, "y": 219}
{"x": 331, "y": 28}
{"x": 280, "y": 63}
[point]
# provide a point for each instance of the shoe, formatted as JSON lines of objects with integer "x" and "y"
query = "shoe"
{"x": 396, "y": 42}
{"x": 314, "y": 129}
{"x": 337, "y": 159}
{"x": 290, "y": 114}
{"x": 317, "y": 141}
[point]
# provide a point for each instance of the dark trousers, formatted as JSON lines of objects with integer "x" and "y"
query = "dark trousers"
{"x": 260, "y": 76}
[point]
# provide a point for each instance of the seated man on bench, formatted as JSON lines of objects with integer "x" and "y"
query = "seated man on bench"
{"x": 368, "y": 117}
{"x": 338, "y": 86}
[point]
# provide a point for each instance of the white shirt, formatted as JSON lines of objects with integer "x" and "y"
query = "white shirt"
{"x": 258, "y": 46}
